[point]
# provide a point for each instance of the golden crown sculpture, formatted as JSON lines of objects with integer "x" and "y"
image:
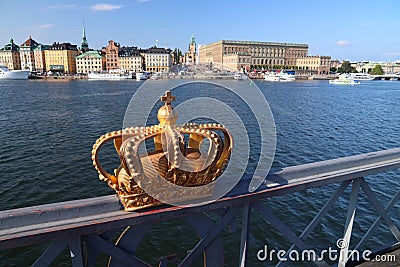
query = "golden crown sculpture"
{"x": 178, "y": 161}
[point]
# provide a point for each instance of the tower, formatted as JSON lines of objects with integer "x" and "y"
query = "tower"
{"x": 191, "y": 56}
{"x": 84, "y": 43}
{"x": 192, "y": 46}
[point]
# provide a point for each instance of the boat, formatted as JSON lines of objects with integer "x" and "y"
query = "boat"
{"x": 286, "y": 77}
{"x": 7, "y": 74}
{"x": 361, "y": 76}
{"x": 344, "y": 79}
{"x": 108, "y": 76}
{"x": 240, "y": 76}
{"x": 394, "y": 79}
{"x": 271, "y": 77}
{"x": 141, "y": 76}
{"x": 154, "y": 76}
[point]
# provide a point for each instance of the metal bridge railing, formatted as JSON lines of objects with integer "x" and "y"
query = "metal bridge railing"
{"x": 94, "y": 221}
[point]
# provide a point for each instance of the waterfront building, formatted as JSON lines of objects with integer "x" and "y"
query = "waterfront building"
{"x": 190, "y": 57}
{"x": 157, "y": 59}
{"x": 40, "y": 60}
{"x": 387, "y": 67}
{"x": 9, "y": 56}
{"x": 84, "y": 43}
{"x": 314, "y": 64}
{"x": 235, "y": 55}
{"x": 26, "y": 53}
{"x": 130, "y": 60}
{"x": 111, "y": 53}
{"x": 60, "y": 57}
{"x": 90, "y": 61}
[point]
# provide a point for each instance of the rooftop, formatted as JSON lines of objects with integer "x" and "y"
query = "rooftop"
{"x": 30, "y": 43}
{"x": 93, "y": 54}
{"x": 258, "y": 43}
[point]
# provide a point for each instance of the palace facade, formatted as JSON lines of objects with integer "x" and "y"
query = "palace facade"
{"x": 235, "y": 55}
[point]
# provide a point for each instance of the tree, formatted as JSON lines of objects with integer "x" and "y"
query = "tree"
{"x": 177, "y": 55}
{"x": 377, "y": 70}
{"x": 345, "y": 68}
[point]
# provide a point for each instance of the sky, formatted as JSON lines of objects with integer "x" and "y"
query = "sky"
{"x": 345, "y": 30}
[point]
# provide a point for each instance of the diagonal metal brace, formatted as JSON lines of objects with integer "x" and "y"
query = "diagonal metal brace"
{"x": 214, "y": 231}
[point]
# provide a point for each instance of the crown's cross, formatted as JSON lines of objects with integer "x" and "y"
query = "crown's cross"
{"x": 167, "y": 98}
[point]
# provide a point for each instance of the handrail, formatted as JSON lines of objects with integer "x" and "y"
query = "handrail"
{"x": 30, "y": 225}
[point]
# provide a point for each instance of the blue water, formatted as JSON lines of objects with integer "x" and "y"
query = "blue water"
{"x": 47, "y": 130}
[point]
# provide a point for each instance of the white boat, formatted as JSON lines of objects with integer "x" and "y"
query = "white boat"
{"x": 286, "y": 77}
{"x": 344, "y": 79}
{"x": 394, "y": 79}
{"x": 361, "y": 76}
{"x": 240, "y": 76}
{"x": 108, "y": 76}
{"x": 141, "y": 76}
{"x": 154, "y": 76}
{"x": 7, "y": 74}
{"x": 271, "y": 77}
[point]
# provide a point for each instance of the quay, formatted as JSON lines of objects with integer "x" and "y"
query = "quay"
{"x": 387, "y": 77}
{"x": 90, "y": 223}
{"x": 57, "y": 78}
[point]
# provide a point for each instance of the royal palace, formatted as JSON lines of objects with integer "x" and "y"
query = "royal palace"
{"x": 233, "y": 55}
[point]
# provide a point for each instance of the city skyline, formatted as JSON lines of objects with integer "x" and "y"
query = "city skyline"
{"x": 350, "y": 30}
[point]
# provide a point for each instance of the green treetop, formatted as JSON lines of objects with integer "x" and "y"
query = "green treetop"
{"x": 377, "y": 70}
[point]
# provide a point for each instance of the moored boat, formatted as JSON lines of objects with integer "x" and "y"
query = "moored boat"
{"x": 361, "y": 76}
{"x": 108, "y": 76}
{"x": 141, "y": 76}
{"x": 240, "y": 76}
{"x": 344, "y": 79}
{"x": 271, "y": 77}
{"x": 7, "y": 74}
{"x": 286, "y": 77}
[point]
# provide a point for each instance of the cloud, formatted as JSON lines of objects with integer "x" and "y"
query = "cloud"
{"x": 46, "y": 26}
{"x": 61, "y": 6}
{"x": 105, "y": 7}
{"x": 143, "y": 1}
{"x": 342, "y": 43}
{"x": 391, "y": 54}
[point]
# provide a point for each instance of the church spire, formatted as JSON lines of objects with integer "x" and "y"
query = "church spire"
{"x": 84, "y": 43}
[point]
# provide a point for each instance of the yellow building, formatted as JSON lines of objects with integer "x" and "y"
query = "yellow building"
{"x": 61, "y": 58}
{"x": 40, "y": 60}
{"x": 314, "y": 64}
{"x": 131, "y": 63}
{"x": 91, "y": 61}
{"x": 9, "y": 56}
